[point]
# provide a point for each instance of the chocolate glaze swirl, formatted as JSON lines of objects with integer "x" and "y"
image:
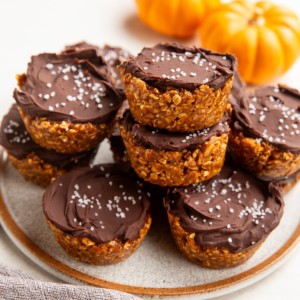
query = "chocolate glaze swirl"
{"x": 271, "y": 114}
{"x": 69, "y": 86}
{"x": 174, "y": 65}
{"x": 111, "y": 56}
{"x": 101, "y": 203}
{"x": 232, "y": 210}
{"x": 18, "y": 143}
{"x": 163, "y": 140}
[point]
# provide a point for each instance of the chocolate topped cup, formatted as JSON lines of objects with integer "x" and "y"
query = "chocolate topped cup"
{"x": 178, "y": 88}
{"x": 222, "y": 222}
{"x": 99, "y": 215}
{"x": 173, "y": 159}
{"x": 65, "y": 102}
{"x": 35, "y": 163}
{"x": 266, "y": 124}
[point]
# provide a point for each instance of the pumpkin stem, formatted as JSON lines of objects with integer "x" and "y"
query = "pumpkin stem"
{"x": 257, "y": 18}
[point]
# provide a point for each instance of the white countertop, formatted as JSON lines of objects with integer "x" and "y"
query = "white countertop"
{"x": 30, "y": 27}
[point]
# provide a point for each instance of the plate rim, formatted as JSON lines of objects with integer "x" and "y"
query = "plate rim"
{"x": 13, "y": 230}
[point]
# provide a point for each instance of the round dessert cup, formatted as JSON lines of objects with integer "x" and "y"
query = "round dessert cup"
{"x": 66, "y": 101}
{"x": 175, "y": 109}
{"x": 177, "y": 88}
{"x": 176, "y": 168}
{"x": 264, "y": 132}
{"x": 99, "y": 214}
{"x": 222, "y": 222}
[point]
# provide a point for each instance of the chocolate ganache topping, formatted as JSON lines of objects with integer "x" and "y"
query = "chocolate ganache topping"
{"x": 173, "y": 65}
{"x": 17, "y": 141}
{"x": 69, "y": 86}
{"x": 271, "y": 114}
{"x": 84, "y": 47}
{"x": 163, "y": 140}
{"x": 232, "y": 210}
{"x": 101, "y": 203}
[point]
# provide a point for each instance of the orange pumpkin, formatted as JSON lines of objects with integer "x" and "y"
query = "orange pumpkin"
{"x": 178, "y": 18}
{"x": 265, "y": 37}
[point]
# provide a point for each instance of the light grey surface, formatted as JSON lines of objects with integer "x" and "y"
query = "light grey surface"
{"x": 33, "y": 26}
{"x": 17, "y": 285}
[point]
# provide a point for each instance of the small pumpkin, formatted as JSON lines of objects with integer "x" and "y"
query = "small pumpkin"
{"x": 264, "y": 37}
{"x": 178, "y": 18}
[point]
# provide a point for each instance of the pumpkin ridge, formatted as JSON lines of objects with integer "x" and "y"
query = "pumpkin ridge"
{"x": 146, "y": 5}
{"x": 264, "y": 36}
{"x": 282, "y": 48}
{"x": 252, "y": 57}
{"x": 271, "y": 70}
{"x": 288, "y": 60}
{"x": 176, "y": 13}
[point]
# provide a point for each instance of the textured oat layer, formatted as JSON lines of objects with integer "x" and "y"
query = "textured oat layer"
{"x": 174, "y": 168}
{"x": 208, "y": 257}
{"x": 36, "y": 170}
{"x": 261, "y": 158}
{"x": 65, "y": 137}
{"x": 176, "y": 110}
{"x": 86, "y": 250}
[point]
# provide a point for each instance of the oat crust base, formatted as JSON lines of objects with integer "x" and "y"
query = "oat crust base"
{"x": 86, "y": 250}
{"x": 174, "y": 168}
{"x": 64, "y": 136}
{"x": 35, "y": 170}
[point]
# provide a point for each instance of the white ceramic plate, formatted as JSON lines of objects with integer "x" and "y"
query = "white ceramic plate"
{"x": 156, "y": 268}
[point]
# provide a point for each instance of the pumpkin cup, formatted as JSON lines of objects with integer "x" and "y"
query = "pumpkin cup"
{"x": 220, "y": 223}
{"x": 264, "y": 134}
{"x": 174, "y": 159}
{"x": 179, "y": 89}
{"x": 264, "y": 37}
{"x": 98, "y": 215}
{"x": 65, "y": 100}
